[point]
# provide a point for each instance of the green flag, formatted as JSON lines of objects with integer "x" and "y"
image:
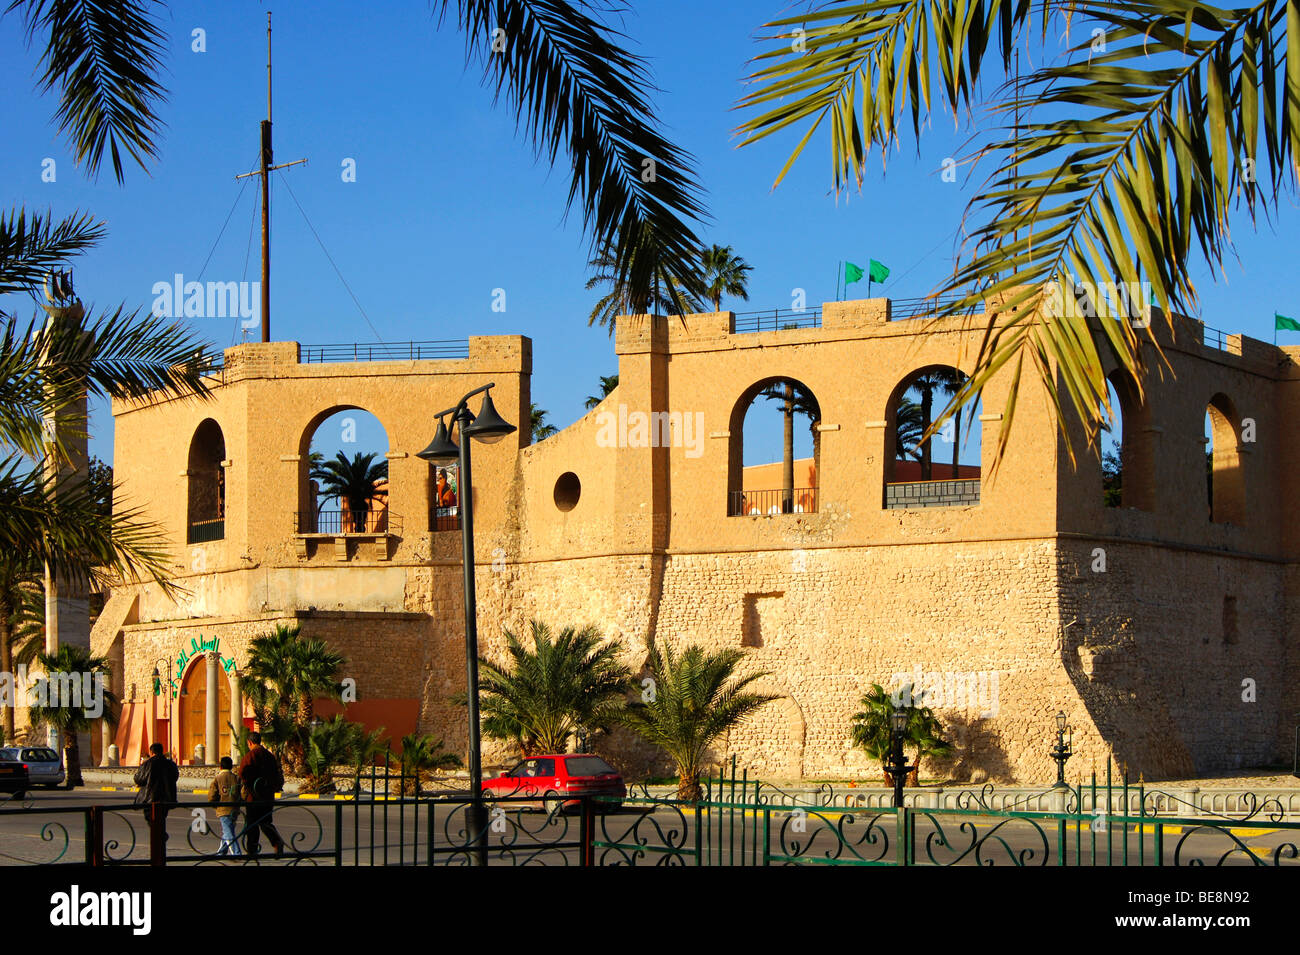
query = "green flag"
{"x": 878, "y": 271}
{"x": 852, "y": 273}
{"x": 1282, "y": 323}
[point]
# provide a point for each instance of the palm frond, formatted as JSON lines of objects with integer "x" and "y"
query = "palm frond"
{"x": 573, "y": 88}
{"x": 104, "y": 57}
{"x": 31, "y": 245}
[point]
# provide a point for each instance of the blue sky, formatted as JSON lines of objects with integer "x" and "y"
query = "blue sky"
{"x": 449, "y": 204}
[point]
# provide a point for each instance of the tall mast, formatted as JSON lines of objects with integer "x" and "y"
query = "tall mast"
{"x": 266, "y": 195}
{"x": 264, "y": 170}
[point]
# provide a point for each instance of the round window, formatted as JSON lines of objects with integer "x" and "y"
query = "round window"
{"x": 567, "y": 491}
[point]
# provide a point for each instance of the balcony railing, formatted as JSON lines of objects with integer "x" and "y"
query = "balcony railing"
{"x": 964, "y": 492}
{"x": 444, "y": 519}
{"x": 800, "y": 500}
{"x": 201, "y": 532}
{"x": 346, "y": 522}
{"x": 901, "y": 309}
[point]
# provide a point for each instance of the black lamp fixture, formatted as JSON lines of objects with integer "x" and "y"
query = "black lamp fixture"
{"x": 898, "y": 768}
{"x": 1063, "y": 750}
{"x": 441, "y": 450}
{"x": 488, "y": 427}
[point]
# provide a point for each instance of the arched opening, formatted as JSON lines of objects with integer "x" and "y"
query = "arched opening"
{"x": 206, "y": 513}
{"x": 942, "y": 470}
{"x": 1224, "y": 474}
{"x": 1125, "y": 447}
{"x": 774, "y": 453}
{"x": 193, "y": 709}
{"x": 343, "y": 474}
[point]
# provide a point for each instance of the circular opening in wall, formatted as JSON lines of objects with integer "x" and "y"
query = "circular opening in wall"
{"x": 567, "y": 491}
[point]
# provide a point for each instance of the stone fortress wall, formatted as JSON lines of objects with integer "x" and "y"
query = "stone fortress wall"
{"x": 1165, "y": 636}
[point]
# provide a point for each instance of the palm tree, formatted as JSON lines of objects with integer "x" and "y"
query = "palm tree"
{"x": 422, "y": 753}
{"x": 795, "y": 399}
{"x": 355, "y": 482}
{"x": 563, "y": 684}
{"x": 946, "y": 381}
{"x": 697, "y": 698}
{"x": 1119, "y": 163}
{"x": 283, "y": 675}
{"x": 908, "y": 429}
{"x": 724, "y": 274}
{"x": 669, "y": 292}
{"x": 541, "y": 430}
{"x": 71, "y": 717}
{"x": 607, "y": 384}
{"x": 872, "y": 731}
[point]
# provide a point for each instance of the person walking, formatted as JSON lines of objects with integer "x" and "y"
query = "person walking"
{"x": 156, "y": 778}
{"x": 225, "y": 790}
{"x": 259, "y": 772}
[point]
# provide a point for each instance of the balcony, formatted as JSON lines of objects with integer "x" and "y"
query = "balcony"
{"x": 334, "y": 523}
{"x": 444, "y": 519}
{"x": 202, "y": 532}
{"x": 800, "y": 500}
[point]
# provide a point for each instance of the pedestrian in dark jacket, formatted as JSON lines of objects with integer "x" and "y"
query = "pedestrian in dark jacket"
{"x": 259, "y": 771}
{"x": 156, "y": 778}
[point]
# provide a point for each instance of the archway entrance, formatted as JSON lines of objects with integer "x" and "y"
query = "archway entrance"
{"x": 193, "y": 712}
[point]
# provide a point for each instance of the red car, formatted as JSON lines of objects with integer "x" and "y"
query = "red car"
{"x": 554, "y": 777}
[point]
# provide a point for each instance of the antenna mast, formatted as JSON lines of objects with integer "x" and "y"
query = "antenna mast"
{"x": 264, "y": 170}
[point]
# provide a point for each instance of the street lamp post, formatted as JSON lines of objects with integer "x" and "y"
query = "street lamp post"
{"x": 489, "y": 428}
{"x": 1063, "y": 750}
{"x": 898, "y": 767}
{"x": 167, "y": 699}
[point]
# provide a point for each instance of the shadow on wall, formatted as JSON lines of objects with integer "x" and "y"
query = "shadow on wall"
{"x": 1124, "y": 698}
{"x": 978, "y": 755}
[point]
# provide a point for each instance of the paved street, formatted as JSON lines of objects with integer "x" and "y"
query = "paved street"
{"x": 381, "y": 833}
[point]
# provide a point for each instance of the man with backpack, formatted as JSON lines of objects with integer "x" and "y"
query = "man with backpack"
{"x": 259, "y": 772}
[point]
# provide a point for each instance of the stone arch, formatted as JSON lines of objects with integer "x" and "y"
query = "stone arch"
{"x": 206, "y": 478}
{"x": 1132, "y": 419}
{"x": 307, "y": 497}
{"x": 738, "y": 502}
{"x": 1226, "y": 468}
{"x": 931, "y": 380}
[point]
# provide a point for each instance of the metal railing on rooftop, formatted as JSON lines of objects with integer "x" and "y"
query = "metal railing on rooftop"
{"x": 385, "y": 351}
{"x": 904, "y": 308}
{"x": 777, "y": 319}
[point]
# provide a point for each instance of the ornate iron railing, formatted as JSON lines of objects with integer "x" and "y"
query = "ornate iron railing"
{"x": 388, "y": 817}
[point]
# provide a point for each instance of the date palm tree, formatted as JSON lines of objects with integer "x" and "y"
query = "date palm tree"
{"x": 75, "y": 716}
{"x": 422, "y": 753}
{"x": 794, "y": 399}
{"x": 356, "y": 482}
{"x": 561, "y": 685}
{"x": 1123, "y": 160}
{"x": 284, "y": 674}
{"x": 537, "y": 419}
{"x": 694, "y": 699}
{"x": 725, "y": 273}
{"x": 670, "y": 293}
{"x": 607, "y": 384}
{"x": 941, "y": 381}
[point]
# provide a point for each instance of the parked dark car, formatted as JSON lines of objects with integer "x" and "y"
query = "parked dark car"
{"x": 44, "y": 765}
{"x": 13, "y": 777}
